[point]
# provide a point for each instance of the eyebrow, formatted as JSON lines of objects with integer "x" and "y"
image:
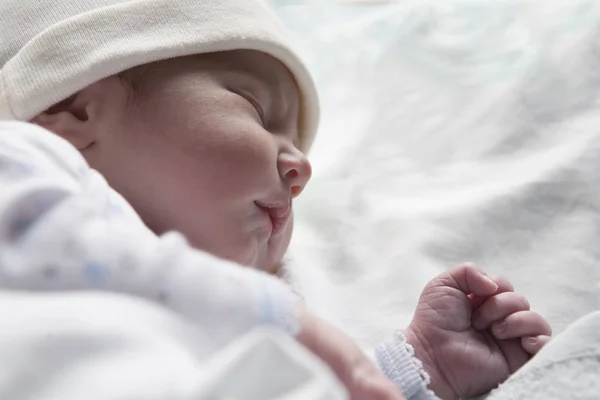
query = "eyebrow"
{"x": 272, "y": 81}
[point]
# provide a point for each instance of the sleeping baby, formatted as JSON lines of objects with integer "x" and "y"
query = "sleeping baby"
{"x": 154, "y": 148}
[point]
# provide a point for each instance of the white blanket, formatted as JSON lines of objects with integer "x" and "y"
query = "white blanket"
{"x": 73, "y": 346}
{"x": 453, "y": 131}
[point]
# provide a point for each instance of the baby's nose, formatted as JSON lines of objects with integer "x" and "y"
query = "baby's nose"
{"x": 295, "y": 170}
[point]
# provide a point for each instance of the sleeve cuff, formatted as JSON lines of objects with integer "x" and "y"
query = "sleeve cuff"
{"x": 397, "y": 360}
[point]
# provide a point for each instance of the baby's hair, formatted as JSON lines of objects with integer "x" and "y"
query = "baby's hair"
{"x": 139, "y": 79}
{"x": 136, "y": 80}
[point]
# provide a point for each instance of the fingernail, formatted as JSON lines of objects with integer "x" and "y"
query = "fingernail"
{"x": 532, "y": 340}
{"x": 501, "y": 327}
{"x": 490, "y": 280}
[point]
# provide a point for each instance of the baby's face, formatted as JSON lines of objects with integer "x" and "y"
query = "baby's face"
{"x": 210, "y": 151}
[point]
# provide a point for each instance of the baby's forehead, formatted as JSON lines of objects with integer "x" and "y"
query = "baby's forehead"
{"x": 254, "y": 68}
{"x": 229, "y": 68}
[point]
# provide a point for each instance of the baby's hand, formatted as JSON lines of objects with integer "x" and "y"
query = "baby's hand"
{"x": 472, "y": 332}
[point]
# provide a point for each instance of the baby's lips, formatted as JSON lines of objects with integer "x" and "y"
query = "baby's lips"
{"x": 281, "y": 213}
{"x": 277, "y": 211}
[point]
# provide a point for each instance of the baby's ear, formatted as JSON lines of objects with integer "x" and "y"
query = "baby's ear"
{"x": 69, "y": 119}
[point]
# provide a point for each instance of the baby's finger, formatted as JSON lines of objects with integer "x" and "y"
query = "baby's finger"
{"x": 468, "y": 279}
{"x": 514, "y": 353}
{"x": 533, "y": 344}
{"x": 503, "y": 286}
{"x": 522, "y": 323}
{"x": 498, "y": 307}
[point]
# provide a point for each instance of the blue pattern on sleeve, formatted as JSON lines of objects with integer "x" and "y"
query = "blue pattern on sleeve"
{"x": 97, "y": 273}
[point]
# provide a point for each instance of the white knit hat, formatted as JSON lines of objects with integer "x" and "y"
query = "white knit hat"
{"x": 49, "y": 50}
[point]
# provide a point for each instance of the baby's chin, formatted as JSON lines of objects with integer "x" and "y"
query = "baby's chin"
{"x": 270, "y": 257}
{"x": 254, "y": 251}
{"x": 269, "y": 262}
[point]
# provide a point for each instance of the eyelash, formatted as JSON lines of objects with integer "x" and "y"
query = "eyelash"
{"x": 250, "y": 99}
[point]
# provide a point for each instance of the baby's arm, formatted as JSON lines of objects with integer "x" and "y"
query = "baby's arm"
{"x": 63, "y": 228}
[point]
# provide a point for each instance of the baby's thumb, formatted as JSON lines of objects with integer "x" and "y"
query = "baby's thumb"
{"x": 467, "y": 278}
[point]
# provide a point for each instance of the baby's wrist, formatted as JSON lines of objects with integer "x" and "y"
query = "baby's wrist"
{"x": 425, "y": 353}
